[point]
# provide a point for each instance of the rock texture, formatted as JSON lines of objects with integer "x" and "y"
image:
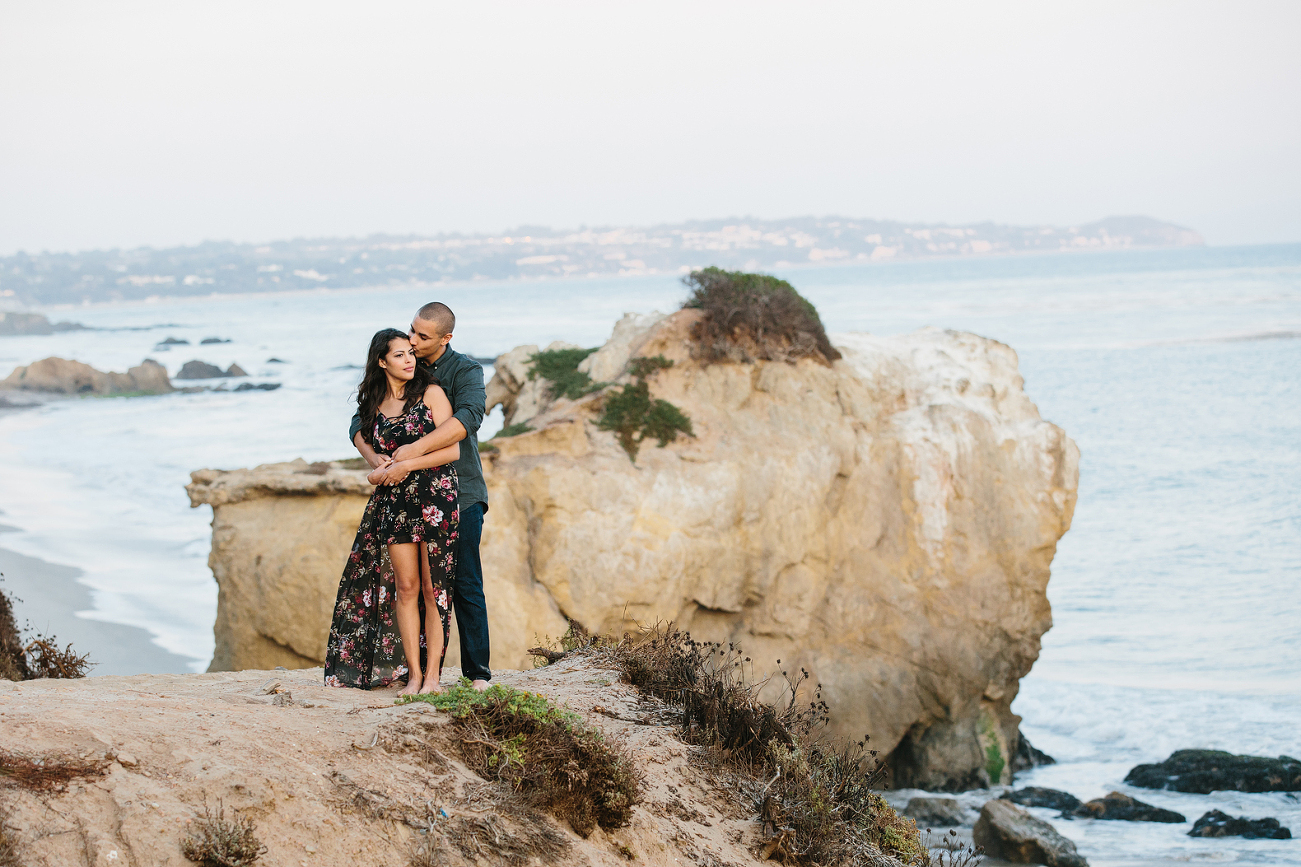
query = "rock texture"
{"x": 936, "y": 812}
{"x": 1010, "y": 833}
{"x": 1036, "y": 796}
{"x": 330, "y": 776}
{"x": 885, "y": 522}
{"x": 1116, "y": 806}
{"x": 1206, "y": 771}
{"x": 61, "y": 376}
{"x": 1217, "y": 824}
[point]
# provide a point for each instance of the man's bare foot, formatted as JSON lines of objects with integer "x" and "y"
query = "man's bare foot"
{"x": 480, "y": 684}
{"x": 412, "y": 687}
{"x": 431, "y": 687}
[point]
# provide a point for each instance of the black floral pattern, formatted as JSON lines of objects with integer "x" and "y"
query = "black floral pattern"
{"x": 365, "y": 649}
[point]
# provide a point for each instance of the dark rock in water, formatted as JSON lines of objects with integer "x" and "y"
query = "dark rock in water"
{"x": 1035, "y": 796}
{"x": 207, "y": 340}
{"x": 1027, "y": 757}
{"x": 172, "y": 341}
{"x": 276, "y": 361}
{"x": 936, "y": 812}
{"x": 1206, "y": 771}
{"x": 1123, "y": 808}
{"x": 236, "y": 370}
{"x": 1006, "y": 831}
{"x": 257, "y": 386}
{"x": 1217, "y": 824}
{"x": 199, "y": 370}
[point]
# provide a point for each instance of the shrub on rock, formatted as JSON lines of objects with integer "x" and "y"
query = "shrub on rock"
{"x": 754, "y": 316}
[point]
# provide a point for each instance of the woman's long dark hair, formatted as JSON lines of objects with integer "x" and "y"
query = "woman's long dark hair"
{"x": 374, "y": 384}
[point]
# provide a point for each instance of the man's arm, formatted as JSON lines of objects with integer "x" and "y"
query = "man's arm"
{"x": 467, "y": 415}
{"x": 368, "y": 454}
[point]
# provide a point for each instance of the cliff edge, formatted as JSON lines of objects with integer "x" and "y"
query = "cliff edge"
{"x": 885, "y": 521}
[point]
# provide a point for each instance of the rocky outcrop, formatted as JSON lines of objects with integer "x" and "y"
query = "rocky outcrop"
{"x": 61, "y": 376}
{"x": 1036, "y": 796}
{"x": 885, "y": 522}
{"x": 1217, "y": 824}
{"x": 331, "y": 777}
{"x": 1206, "y": 771}
{"x": 17, "y": 324}
{"x": 203, "y": 370}
{"x": 936, "y": 812}
{"x": 1007, "y": 832}
{"x": 1119, "y": 807}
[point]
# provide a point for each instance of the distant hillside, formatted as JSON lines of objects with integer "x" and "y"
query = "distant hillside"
{"x": 532, "y": 252}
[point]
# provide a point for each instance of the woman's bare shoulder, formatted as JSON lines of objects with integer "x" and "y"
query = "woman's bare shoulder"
{"x": 434, "y": 392}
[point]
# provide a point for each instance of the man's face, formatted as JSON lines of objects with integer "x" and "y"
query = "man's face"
{"x": 427, "y": 340}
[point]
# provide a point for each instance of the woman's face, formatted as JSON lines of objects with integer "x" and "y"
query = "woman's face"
{"x": 400, "y": 360}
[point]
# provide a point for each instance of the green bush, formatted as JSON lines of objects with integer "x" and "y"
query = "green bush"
{"x": 546, "y": 753}
{"x": 754, "y": 316}
{"x": 559, "y": 367}
{"x": 633, "y": 416}
{"x": 514, "y": 430}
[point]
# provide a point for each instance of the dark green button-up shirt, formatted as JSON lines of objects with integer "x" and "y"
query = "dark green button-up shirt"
{"x": 462, "y": 378}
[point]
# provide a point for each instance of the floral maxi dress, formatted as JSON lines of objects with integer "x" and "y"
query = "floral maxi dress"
{"x": 365, "y": 648}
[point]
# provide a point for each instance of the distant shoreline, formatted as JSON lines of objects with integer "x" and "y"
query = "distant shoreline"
{"x": 162, "y": 300}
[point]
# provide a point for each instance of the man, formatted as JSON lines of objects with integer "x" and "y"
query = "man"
{"x": 462, "y": 379}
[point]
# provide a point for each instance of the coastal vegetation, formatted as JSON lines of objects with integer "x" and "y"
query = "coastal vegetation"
{"x": 215, "y": 841}
{"x": 634, "y": 416}
{"x": 754, "y": 316}
{"x": 34, "y": 655}
{"x": 546, "y": 754}
{"x": 559, "y": 367}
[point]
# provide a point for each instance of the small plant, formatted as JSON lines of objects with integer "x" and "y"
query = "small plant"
{"x": 754, "y": 316}
{"x": 950, "y": 851}
{"x": 513, "y": 430}
{"x": 633, "y": 416}
{"x": 545, "y": 753}
{"x": 8, "y": 845}
{"x": 559, "y": 367}
{"x": 35, "y": 657}
{"x": 214, "y": 841}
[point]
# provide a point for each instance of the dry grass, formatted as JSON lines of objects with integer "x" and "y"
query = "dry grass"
{"x": 36, "y": 657}
{"x": 754, "y": 316}
{"x": 950, "y": 852}
{"x": 215, "y": 841}
{"x": 503, "y": 830}
{"x": 814, "y": 795}
{"x": 46, "y": 773}
{"x": 547, "y": 755}
{"x": 8, "y": 845}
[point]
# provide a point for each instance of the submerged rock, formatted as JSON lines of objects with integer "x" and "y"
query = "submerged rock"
{"x": 1035, "y": 796}
{"x": 1121, "y": 807}
{"x": 62, "y": 376}
{"x": 236, "y": 370}
{"x": 173, "y": 341}
{"x": 1217, "y": 824}
{"x": 1006, "y": 831}
{"x": 199, "y": 370}
{"x": 256, "y": 386}
{"x": 1205, "y": 771}
{"x": 205, "y": 341}
{"x": 936, "y": 812}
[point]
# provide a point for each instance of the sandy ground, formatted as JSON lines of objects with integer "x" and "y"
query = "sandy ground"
{"x": 302, "y": 769}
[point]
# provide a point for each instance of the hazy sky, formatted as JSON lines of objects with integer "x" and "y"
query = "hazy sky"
{"x": 125, "y": 124}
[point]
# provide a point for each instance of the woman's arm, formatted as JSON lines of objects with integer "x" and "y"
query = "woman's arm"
{"x": 368, "y": 454}
{"x": 441, "y": 410}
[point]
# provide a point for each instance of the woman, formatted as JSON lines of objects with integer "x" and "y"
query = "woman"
{"x": 403, "y": 559}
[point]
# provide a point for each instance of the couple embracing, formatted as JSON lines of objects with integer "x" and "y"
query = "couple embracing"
{"x": 416, "y": 554}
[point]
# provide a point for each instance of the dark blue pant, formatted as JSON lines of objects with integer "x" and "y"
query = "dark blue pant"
{"x": 471, "y": 610}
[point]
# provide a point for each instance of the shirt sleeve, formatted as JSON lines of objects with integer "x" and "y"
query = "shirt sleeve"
{"x": 354, "y": 427}
{"x": 470, "y": 397}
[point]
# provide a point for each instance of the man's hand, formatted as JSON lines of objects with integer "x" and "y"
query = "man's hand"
{"x": 408, "y": 452}
{"x": 393, "y": 473}
{"x": 378, "y": 461}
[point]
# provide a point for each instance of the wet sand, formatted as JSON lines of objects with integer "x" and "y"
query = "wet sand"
{"x": 47, "y": 598}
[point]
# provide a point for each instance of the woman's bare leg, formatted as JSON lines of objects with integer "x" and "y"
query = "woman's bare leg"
{"x": 433, "y": 625}
{"x": 406, "y": 608}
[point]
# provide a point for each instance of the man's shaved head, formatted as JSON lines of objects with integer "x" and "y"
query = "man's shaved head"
{"x": 440, "y": 314}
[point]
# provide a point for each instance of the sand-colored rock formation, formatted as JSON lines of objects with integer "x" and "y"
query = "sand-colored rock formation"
{"x": 329, "y": 776}
{"x": 886, "y": 522}
{"x": 61, "y": 376}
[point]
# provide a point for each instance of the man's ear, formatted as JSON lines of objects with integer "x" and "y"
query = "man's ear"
{"x": 447, "y": 338}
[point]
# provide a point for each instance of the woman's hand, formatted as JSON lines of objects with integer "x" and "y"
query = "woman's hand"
{"x": 377, "y": 460}
{"x": 392, "y": 473}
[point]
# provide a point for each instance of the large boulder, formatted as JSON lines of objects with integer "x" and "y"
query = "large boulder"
{"x": 1117, "y": 806}
{"x": 937, "y": 812}
{"x": 1206, "y": 771}
{"x": 1036, "y": 796}
{"x": 199, "y": 370}
{"x": 886, "y": 522}
{"x": 1007, "y": 832}
{"x": 62, "y": 376}
{"x": 1217, "y": 824}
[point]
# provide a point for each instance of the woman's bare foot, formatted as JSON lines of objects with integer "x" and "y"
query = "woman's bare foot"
{"x": 480, "y": 685}
{"x": 430, "y": 687}
{"x": 412, "y": 687}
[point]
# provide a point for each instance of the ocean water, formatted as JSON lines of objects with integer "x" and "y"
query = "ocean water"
{"x": 1176, "y": 594}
